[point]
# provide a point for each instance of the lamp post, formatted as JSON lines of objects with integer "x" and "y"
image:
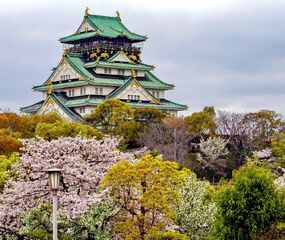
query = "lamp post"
{"x": 54, "y": 177}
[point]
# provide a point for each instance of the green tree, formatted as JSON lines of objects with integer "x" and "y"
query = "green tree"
{"x": 202, "y": 123}
{"x": 115, "y": 117}
{"x": 109, "y": 114}
{"x": 248, "y": 205}
{"x": 50, "y": 131}
{"x": 6, "y": 168}
{"x": 29, "y": 123}
{"x": 278, "y": 146}
{"x": 37, "y": 224}
{"x": 93, "y": 225}
{"x": 145, "y": 193}
{"x": 149, "y": 115}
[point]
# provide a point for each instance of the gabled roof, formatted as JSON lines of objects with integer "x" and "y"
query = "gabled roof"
{"x": 119, "y": 56}
{"x": 117, "y": 65}
{"x": 130, "y": 82}
{"x": 60, "y": 101}
{"x": 76, "y": 61}
{"x": 104, "y": 26}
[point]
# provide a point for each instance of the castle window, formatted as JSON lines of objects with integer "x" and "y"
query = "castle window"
{"x": 71, "y": 92}
{"x": 82, "y": 110}
{"x": 82, "y": 91}
{"x": 107, "y": 70}
{"x": 98, "y": 91}
{"x": 133, "y": 97}
{"x": 64, "y": 77}
{"x": 86, "y": 29}
{"x": 121, "y": 71}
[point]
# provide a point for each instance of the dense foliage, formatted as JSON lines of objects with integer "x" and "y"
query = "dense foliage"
{"x": 107, "y": 193}
{"x": 6, "y": 171}
{"x": 248, "y": 205}
{"x": 278, "y": 146}
{"x": 146, "y": 194}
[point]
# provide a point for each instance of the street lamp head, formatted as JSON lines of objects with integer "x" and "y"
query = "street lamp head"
{"x": 54, "y": 177}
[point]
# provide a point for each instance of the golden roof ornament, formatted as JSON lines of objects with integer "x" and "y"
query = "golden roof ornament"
{"x": 50, "y": 91}
{"x": 86, "y": 13}
{"x": 134, "y": 74}
{"x": 65, "y": 51}
{"x": 118, "y": 15}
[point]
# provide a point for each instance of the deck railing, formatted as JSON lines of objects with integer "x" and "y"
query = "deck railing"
{"x": 107, "y": 46}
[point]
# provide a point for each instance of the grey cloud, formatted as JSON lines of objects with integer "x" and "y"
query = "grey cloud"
{"x": 230, "y": 58}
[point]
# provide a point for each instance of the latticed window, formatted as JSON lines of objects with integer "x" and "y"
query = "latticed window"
{"x": 82, "y": 110}
{"x": 64, "y": 77}
{"x": 71, "y": 92}
{"x": 121, "y": 71}
{"x": 98, "y": 91}
{"x": 107, "y": 70}
{"x": 82, "y": 91}
{"x": 133, "y": 97}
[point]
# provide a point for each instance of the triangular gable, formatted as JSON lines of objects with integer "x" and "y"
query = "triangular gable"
{"x": 85, "y": 26}
{"x": 53, "y": 105}
{"x": 63, "y": 68}
{"x": 120, "y": 56}
{"x": 133, "y": 88}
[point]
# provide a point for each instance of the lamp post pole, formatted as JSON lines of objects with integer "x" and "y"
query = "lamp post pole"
{"x": 54, "y": 177}
{"x": 54, "y": 215}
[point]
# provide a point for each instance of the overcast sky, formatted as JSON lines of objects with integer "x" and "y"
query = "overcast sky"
{"x": 225, "y": 53}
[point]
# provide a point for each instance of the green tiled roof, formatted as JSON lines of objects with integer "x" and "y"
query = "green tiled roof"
{"x": 61, "y": 101}
{"x": 83, "y": 101}
{"x": 96, "y": 81}
{"x": 158, "y": 83}
{"x": 121, "y": 88}
{"x": 32, "y": 108}
{"x": 76, "y": 37}
{"x": 164, "y": 105}
{"x": 104, "y": 26}
{"x": 139, "y": 66}
{"x": 94, "y": 101}
{"x": 77, "y": 62}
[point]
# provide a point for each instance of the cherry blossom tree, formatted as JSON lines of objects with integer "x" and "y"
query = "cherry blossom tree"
{"x": 83, "y": 163}
{"x": 196, "y": 214}
{"x": 212, "y": 151}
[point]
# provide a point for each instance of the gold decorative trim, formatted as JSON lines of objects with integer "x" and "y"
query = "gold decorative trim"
{"x": 86, "y": 13}
{"x": 65, "y": 52}
{"x": 118, "y": 15}
{"x": 50, "y": 91}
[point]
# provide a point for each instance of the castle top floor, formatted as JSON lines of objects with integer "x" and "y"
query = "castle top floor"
{"x": 106, "y": 32}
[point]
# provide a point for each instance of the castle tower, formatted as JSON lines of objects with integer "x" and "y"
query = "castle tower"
{"x": 102, "y": 59}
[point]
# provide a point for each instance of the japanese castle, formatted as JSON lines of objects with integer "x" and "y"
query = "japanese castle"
{"x": 102, "y": 59}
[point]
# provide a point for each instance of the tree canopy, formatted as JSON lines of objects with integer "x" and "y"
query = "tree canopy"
{"x": 146, "y": 194}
